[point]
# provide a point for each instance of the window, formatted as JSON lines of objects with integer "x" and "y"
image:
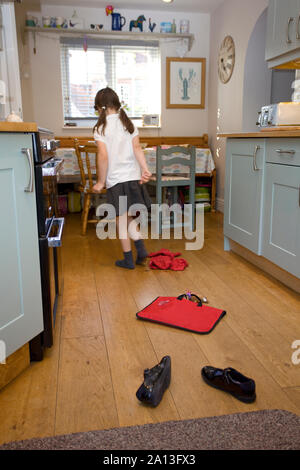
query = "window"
{"x": 132, "y": 69}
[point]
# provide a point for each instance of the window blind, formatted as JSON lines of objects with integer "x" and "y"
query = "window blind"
{"x": 131, "y": 68}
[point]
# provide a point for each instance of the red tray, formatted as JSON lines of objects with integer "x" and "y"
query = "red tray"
{"x": 182, "y": 314}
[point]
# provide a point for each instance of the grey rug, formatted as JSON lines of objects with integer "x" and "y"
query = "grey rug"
{"x": 263, "y": 430}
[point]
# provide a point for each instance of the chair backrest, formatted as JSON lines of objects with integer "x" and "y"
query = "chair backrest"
{"x": 84, "y": 153}
{"x": 161, "y": 163}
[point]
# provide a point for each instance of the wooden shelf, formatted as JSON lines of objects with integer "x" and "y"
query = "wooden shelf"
{"x": 134, "y": 35}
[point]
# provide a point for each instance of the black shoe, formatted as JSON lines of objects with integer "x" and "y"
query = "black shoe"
{"x": 156, "y": 381}
{"x": 231, "y": 381}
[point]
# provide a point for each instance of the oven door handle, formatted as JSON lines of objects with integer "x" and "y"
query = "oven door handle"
{"x": 28, "y": 153}
{"x": 57, "y": 240}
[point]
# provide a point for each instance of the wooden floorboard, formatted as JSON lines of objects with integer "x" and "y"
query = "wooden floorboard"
{"x": 269, "y": 346}
{"x": 224, "y": 348}
{"x": 128, "y": 343}
{"x": 89, "y": 378}
{"x": 28, "y": 404}
{"x": 85, "y": 398}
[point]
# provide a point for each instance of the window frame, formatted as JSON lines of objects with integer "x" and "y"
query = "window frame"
{"x": 109, "y": 48}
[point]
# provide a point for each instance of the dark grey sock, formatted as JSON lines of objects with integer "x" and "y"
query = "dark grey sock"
{"x": 141, "y": 251}
{"x": 127, "y": 262}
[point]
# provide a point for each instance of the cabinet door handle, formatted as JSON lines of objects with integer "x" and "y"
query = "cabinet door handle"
{"x": 257, "y": 148}
{"x": 28, "y": 153}
{"x": 298, "y": 24}
{"x": 288, "y": 40}
{"x": 290, "y": 152}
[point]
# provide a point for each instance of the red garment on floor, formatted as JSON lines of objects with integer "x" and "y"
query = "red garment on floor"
{"x": 179, "y": 264}
{"x": 165, "y": 259}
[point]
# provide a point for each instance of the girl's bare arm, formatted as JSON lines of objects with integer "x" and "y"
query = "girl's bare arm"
{"x": 139, "y": 155}
{"x": 102, "y": 165}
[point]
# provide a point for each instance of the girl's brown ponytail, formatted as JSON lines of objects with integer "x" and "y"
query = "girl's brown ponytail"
{"x": 127, "y": 123}
{"x": 101, "y": 121}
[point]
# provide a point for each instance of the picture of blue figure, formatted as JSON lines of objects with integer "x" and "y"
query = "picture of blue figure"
{"x": 186, "y": 82}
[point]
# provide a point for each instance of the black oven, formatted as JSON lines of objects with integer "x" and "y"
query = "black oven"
{"x": 50, "y": 229}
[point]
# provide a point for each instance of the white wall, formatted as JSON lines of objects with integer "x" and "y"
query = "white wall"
{"x": 43, "y": 101}
{"x": 257, "y": 75}
{"x": 236, "y": 18}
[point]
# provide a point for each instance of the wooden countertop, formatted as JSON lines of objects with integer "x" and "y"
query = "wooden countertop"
{"x": 274, "y": 132}
{"x": 18, "y": 126}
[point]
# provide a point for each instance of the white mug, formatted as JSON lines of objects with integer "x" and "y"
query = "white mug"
{"x": 46, "y": 20}
{"x": 60, "y": 21}
{"x": 31, "y": 20}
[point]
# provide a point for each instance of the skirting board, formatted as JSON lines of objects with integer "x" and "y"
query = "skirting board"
{"x": 15, "y": 364}
{"x": 220, "y": 204}
{"x": 265, "y": 265}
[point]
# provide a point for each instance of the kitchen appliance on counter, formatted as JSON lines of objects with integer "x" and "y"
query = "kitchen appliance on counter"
{"x": 50, "y": 229}
{"x": 279, "y": 115}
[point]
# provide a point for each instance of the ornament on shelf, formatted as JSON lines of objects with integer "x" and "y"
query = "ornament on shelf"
{"x": 109, "y": 10}
{"x": 14, "y": 117}
{"x": 31, "y": 20}
{"x": 166, "y": 27}
{"x": 96, "y": 27}
{"x": 173, "y": 27}
{"x": 76, "y": 22}
{"x": 184, "y": 26}
{"x": 137, "y": 23}
{"x": 46, "y": 21}
{"x": 151, "y": 25}
{"x": 117, "y": 22}
{"x": 85, "y": 44}
{"x": 61, "y": 22}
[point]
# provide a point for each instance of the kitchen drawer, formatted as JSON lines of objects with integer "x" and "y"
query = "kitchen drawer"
{"x": 245, "y": 146}
{"x": 283, "y": 151}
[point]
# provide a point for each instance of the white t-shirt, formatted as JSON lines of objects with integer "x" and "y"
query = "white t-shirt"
{"x": 122, "y": 164}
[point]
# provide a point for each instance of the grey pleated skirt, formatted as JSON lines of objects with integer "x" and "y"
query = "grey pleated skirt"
{"x": 136, "y": 194}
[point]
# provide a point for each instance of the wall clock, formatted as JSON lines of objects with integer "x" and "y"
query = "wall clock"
{"x": 226, "y": 59}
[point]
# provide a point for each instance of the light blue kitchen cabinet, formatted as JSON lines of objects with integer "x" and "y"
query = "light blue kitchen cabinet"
{"x": 281, "y": 228}
{"x": 21, "y": 314}
{"x": 283, "y": 31}
{"x": 244, "y": 192}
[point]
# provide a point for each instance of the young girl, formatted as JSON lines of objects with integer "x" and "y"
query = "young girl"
{"x": 122, "y": 168}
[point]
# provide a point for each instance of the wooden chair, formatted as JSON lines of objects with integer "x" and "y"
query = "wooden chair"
{"x": 162, "y": 180}
{"x": 88, "y": 179}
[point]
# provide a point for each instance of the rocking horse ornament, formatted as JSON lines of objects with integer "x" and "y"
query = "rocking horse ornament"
{"x": 137, "y": 23}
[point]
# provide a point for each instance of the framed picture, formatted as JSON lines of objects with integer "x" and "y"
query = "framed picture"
{"x": 185, "y": 82}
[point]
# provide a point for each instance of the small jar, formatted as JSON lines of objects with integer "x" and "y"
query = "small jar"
{"x": 184, "y": 26}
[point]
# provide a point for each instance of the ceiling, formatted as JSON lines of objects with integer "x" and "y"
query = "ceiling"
{"x": 204, "y": 6}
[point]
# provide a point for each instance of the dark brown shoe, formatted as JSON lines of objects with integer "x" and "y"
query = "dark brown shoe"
{"x": 231, "y": 381}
